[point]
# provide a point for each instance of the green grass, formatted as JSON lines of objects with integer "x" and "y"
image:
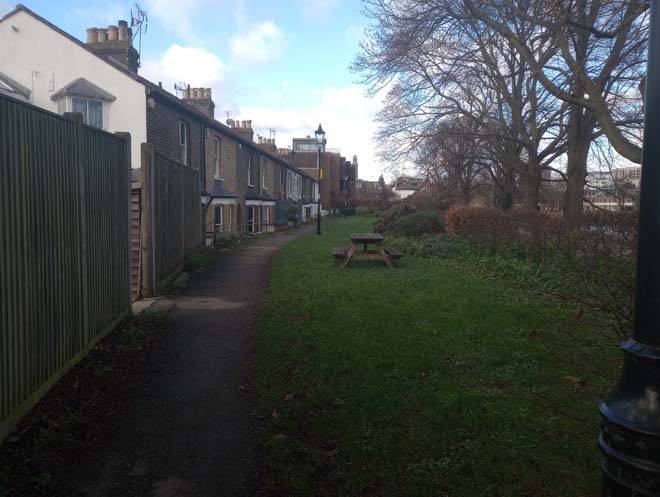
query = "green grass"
{"x": 416, "y": 382}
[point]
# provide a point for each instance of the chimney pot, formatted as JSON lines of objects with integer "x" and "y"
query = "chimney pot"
{"x": 230, "y": 122}
{"x": 123, "y": 30}
{"x": 91, "y": 35}
{"x": 249, "y": 124}
{"x": 101, "y": 35}
{"x": 113, "y": 35}
{"x": 186, "y": 92}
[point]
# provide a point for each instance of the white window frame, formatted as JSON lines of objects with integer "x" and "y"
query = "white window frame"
{"x": 249, "y": 171}
{"x": 266, "y": 216}
{"x": 263, "y": 176}
{"x": 220, "y": 227}
{"x": 65, "y": 104}
{"x": 183, "y": 142}
{"x": 216, "y": 158}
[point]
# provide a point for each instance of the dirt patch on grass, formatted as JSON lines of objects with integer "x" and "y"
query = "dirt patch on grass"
{"x": 71, "y": 427}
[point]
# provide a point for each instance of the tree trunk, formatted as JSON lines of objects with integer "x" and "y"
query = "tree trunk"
{"x": 580, "y": 131}
{"x": 530, "y": 183}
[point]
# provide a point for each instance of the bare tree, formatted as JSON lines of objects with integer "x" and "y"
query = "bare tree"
{"x": 544, "y": 76}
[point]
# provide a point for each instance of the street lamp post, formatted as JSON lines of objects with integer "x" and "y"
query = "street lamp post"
{"x": 320, "y": 144}
{"x": 630, "y": 435}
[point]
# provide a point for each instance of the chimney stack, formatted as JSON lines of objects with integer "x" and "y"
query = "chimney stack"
{"x": 114, "y": 42}
{"x": 244, "y": 128}
{"x": 201, "y": 99}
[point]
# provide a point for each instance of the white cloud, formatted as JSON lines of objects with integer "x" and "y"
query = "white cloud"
{"x": 347, "y": 115}
{"x": 262, "y": 44}
{"x": 178, "y": 15}
{"x": 100, "y": 17}
{"x": 192, "y": 65}
{"x": 315, "y": 10}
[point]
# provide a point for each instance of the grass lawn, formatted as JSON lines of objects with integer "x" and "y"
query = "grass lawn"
{"x": 418, "y": 382}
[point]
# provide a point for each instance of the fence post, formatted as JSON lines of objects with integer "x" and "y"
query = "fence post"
{"x": 146, "y": 222}
{"x": 127, "y": 138}
{"x": 76, "y": 118}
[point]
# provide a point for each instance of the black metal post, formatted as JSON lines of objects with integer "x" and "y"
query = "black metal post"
{"x": 630, "y": 436}
{"x": 318, "y": 200}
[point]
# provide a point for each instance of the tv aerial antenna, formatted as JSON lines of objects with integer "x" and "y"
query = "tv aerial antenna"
{"x": 141, "y": 22}
{"x": 273, "y": 133}
{"x": 180, "y": 87}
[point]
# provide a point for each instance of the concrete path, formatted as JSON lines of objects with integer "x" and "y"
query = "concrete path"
{"x": 192, "y": 431}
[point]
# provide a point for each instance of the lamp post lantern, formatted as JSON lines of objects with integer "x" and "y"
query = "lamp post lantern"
{"x": 630, "y": 434}
{"x": 320, "y": 146}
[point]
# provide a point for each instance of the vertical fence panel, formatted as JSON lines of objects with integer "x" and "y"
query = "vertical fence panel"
{"x": 45, "y": 262}
{"x": 176, "y": 215}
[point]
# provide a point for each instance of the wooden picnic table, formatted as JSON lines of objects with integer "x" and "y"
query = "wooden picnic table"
{"x": 364, "y": 240}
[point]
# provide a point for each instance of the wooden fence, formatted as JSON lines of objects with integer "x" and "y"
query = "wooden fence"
{"x": 64, "y": 248}
{"x": 170, "y": 219}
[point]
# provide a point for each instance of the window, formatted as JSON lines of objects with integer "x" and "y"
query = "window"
{"x": 91, "y": 110}
{"x": 252, "y": 219}
{"x": 289, "y": 184}
{"x": 282, "y": 183}
{"x": 216, "y": 158}
{"x": 263, "y": 175}
{"x": 219, "y": 221}
{"x": 183, "y": 142}
{"x": 250, "y": 177}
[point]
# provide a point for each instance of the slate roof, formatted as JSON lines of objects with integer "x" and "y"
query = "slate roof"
{"x": 252, "y": 194}
{"x": 219, "y": 191}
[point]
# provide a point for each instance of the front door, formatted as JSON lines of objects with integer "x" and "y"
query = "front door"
{"x": 250, "y": 221}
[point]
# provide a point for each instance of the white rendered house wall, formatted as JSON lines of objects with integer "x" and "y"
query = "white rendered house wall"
{"x": 44, "y": 61}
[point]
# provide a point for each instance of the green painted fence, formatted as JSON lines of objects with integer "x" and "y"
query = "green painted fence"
{"x": 64, "y": 248}
{"x": 171, "y": 217}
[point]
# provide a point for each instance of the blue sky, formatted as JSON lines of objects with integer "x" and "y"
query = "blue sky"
{"x": 282, "y": 64}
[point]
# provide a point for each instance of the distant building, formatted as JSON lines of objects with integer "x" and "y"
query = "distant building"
{"x": 405, "y": 186}
{"x": 616, "y": 178}
{"x": 614, "y": 190}
{"x": 339, "y": 174}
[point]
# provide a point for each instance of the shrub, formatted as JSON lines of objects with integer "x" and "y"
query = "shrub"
{"x": 527, "y": 231}
{"x": 418, "y": 224}
{"x": 443, "y": 245}
{"x": 439, "y": 246}
{"x": 347, "y": 211}
{"x": 198, "y": 258}
{"x": 391, "y": 216}
{"x": 292, "y": 213}
{"x": 366, "y": 210}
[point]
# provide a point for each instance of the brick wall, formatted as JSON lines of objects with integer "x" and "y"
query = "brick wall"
{"x": 163, "y": 132}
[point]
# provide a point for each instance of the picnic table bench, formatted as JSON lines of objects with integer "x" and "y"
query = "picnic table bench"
{"x": 359, "y": 250}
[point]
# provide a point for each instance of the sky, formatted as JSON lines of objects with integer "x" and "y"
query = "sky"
{"x": 284, "y": 64}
